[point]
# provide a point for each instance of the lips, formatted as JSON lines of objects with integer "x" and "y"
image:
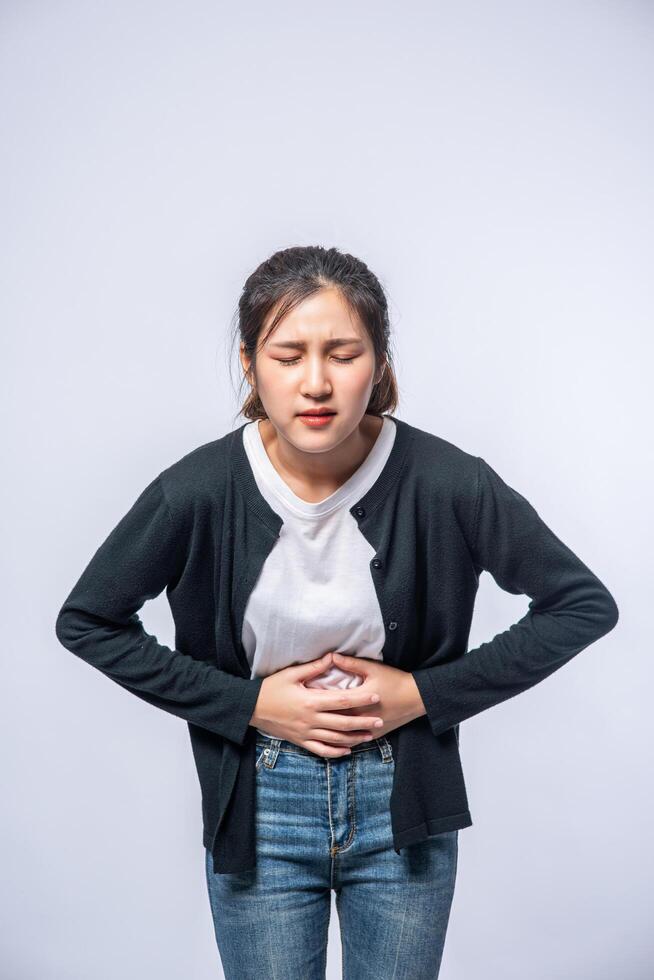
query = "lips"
{"x": 316, "y": 420}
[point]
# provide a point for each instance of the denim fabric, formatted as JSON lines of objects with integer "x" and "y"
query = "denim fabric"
{"x": 325, "y": 824}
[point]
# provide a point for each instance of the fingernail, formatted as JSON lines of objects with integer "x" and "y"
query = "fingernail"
{"x": 374, "y": 697}
{"x": 379, "y": 723}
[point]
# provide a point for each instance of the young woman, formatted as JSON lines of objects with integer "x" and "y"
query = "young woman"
{"x": 321, "y": 563}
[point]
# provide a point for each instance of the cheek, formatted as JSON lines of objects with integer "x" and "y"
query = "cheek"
{"x": 359, "y": 379}
{"x": 276, "y": 382}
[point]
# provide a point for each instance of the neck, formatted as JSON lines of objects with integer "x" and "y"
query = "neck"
{"x": 322, "y": 471}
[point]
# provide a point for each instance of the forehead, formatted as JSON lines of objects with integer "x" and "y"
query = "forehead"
{"x": 322, "y": 316}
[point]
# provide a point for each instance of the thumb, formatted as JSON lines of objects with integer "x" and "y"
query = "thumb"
{"x": 356, "y": 665}
{"x": 312, "y": 668}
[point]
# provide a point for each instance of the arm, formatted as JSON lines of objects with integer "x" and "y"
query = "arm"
{"x": 99, "y": 623}
{"x": 569, "y": 609}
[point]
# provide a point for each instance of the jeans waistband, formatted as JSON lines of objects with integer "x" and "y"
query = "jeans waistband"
{"x": 283, "y": 745}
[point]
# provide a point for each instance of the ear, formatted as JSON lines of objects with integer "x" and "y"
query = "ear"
{"x": 246, "y": 361}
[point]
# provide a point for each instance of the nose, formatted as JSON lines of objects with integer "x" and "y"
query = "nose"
{"x": 315, "y": 382}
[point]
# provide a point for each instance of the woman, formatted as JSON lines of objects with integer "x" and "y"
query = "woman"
{"x": 321, "y": 563}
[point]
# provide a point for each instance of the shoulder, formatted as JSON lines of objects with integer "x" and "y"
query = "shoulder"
{"x": 439, "y": 463}
{"x": 200, "y": 475}
{"x": 446, "y": 479}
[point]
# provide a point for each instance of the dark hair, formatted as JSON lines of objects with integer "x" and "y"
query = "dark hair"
{"x": 287, "y": 278}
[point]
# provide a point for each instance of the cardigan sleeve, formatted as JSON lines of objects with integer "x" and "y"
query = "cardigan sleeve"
{"x": 569, "y": 609}
{"x": 99, "y": 622}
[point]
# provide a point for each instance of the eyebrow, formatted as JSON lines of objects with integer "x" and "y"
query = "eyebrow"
{"x": 301, "y": 345}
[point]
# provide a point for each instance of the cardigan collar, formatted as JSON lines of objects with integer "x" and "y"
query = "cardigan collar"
{"x": 242, "y": 472}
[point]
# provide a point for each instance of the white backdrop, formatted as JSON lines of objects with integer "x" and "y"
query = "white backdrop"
{"x": 492, "y": 164}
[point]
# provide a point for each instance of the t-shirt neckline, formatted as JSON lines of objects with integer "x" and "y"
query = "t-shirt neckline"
{"x": 349, "y": 490}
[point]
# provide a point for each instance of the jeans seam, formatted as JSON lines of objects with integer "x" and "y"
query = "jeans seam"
{"x": 351, "y": 799}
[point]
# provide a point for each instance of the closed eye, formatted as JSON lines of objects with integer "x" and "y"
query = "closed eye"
{"x": 339, "y": 360}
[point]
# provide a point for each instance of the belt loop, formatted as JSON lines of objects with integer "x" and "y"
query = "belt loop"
{"x": 271, "y": 752}
{"x": 385, "y": 748}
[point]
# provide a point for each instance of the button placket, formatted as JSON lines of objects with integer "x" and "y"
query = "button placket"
{"x": 377, "y": 563}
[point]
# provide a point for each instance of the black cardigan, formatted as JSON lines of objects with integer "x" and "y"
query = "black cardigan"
{"x": 437, "y": 516}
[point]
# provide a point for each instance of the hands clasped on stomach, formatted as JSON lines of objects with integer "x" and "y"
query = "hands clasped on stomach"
{"x": 314, "y": 717}
{"x": 329, "y": 721}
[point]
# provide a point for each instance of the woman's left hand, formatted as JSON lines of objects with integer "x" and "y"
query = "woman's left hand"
{"x": 399, "y": 698}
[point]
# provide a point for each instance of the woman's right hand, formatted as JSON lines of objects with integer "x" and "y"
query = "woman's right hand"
{"x": 310, "y": 717}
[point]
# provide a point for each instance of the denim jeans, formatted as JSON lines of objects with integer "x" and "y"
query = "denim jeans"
{"x": 322, "y": 825}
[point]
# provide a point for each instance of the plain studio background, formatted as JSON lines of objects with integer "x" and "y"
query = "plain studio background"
{"x": 492, "y": 164}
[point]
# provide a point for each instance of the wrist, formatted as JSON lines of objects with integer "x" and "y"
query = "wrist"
{"x": 255, "y": 717}
{"x": 414, "y": 699}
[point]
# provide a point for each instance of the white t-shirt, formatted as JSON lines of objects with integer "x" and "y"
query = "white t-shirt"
{"x": 315, "y": 592}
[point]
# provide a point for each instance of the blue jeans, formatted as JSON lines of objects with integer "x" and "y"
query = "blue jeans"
{"x": 322, "y": 825}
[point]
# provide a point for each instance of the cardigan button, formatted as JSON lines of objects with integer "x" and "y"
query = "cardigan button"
{"x": 359, "y": 511}
{"x": 377, "y": 563}
{"x": 392, "y": 625}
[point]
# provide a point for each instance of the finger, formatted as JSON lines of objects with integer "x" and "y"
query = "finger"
{"x": 312, "y": 668}
{"x": 344, "y": 738}
{"x": 351, "y": 697}
{"x": 355, "y": 664}
{"x": 325, "y": 750}
{"x": 348, "y": 723}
